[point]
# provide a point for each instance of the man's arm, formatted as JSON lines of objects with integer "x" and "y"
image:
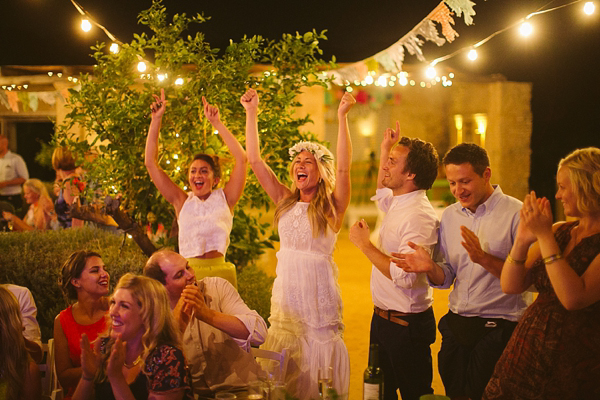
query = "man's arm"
{"x": 359, "y": 235}
{"x": 234, "y": 318}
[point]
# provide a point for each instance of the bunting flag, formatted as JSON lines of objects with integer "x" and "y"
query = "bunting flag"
{"x": 392, "y": 58}
{"x": 24, "y": 99}
{"x": 13, "y": 100}
{"x": 442, "y": 15}
{"x": 4, "y": 100}
{"x": 47, "y": 97}
{"x": 33, "y": 101}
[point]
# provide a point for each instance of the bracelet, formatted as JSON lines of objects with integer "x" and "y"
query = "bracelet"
{"x": 550, "y": 259}
{"x": 512, "y": 260}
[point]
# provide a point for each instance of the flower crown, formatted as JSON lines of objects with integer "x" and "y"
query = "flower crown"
{"x": 320, "y": 153}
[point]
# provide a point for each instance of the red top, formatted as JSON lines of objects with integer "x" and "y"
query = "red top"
{"x": 73, "y": 332}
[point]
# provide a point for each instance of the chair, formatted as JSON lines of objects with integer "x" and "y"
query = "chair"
{"x": 50, "y": 387}
{"x": 282, "y": 357}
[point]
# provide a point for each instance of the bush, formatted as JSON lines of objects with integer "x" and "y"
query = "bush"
{"x": 33, "y": 259}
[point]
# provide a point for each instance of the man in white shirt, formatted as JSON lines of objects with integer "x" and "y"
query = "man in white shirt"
{"x": 13, "y": 173}
{"x": 218, "y": 327}
{"x": 403, "y": 325}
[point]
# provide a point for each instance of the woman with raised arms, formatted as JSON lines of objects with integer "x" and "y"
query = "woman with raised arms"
{"x": 306, "y": 305}
{"x": 204, "y": 215}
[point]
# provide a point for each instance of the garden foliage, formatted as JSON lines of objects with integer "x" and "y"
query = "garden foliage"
{"x": 34, "y": 259}
{"x": 113, "y": 105}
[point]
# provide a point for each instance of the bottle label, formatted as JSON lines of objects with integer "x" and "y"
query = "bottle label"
{"x": 371, "y": 391}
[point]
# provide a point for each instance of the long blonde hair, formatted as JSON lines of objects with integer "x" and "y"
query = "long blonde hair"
{"x": 159, "y": 322}
{"x": 14, "y": 358}
{"x": 322, "y": 205}
{"x": 584, "y": 173}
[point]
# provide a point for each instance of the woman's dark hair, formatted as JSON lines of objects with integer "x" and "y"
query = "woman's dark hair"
{"x": 72, "y": 269}
{"x": 213, "y": 161}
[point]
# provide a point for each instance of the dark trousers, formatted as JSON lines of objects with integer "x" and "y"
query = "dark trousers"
{"x": 466, "y": 369}
{"x": 405, "y": 354}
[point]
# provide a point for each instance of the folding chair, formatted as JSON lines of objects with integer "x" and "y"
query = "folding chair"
{"x": 282, "y": 357}
{"x": 50, "y": 387}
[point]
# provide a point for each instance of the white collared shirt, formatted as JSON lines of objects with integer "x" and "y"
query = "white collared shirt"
{"x": 12, "y": 166}
{"x": 409, "y": 217}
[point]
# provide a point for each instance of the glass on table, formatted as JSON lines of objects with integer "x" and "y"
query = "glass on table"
{"x": 325, "y": 380}
{"x": 225, "y": 396}
{"x": 256, "y": 390}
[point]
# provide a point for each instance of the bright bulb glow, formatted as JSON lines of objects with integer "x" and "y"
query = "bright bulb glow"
{"x": 526, "y": 29}
{"x": 349, "y": 89}
{"x": 403, "y": 80}
{"x": 382, "y": 81}
{"x": 114, "y": 48}
{"x": 161, "y": 77}
{"x": 430, "y": 72}
{"x": 141, "y": 66}
{"x": 368, "y": 79}
{"x": 472, "y": 55}
{"x": 86, "y": 25}
{"x": 179, "y": 81}
{"x": 589, "y": 8}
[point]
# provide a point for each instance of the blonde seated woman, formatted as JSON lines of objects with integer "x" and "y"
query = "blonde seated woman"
{"x": 40, "y": 215}
{"x": 141, "y": 356}
{"x": 19, "y": 374}
{"x": 205, "y": 214}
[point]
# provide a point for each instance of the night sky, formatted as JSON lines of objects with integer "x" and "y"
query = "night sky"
{"x": 561, "y": 58}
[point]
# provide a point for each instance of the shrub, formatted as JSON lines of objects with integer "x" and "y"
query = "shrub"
{"x": 33, "y": 259}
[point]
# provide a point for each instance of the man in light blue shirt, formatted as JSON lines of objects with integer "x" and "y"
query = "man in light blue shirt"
{"x": 476, "y": 235}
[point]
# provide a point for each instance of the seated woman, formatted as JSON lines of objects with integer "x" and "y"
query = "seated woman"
{"x": 554, "y": 352}
{"x": 141, "y": 355}
{"x": 19, "y": 374}
{"x": 83, "y": 281}
{"x": 68, "y": 186}
{"x": 40, "y": 215}
{"x": 205, "y": 214}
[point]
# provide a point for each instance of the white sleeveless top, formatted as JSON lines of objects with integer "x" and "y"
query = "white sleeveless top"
{"x": 204, "y": 225}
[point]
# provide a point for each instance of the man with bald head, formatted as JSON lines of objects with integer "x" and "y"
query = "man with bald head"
{"x": 218, "y": 327}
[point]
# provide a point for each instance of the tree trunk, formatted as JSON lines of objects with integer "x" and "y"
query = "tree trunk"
{"x": 123, "y": 220}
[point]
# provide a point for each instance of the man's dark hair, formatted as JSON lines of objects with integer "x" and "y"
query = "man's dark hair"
{"x": 468, "y": 153}
{"x": 422, "y": 160}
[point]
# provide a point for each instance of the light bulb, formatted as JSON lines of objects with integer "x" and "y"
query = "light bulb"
{"x": 141, "y": 66}
{"x": 179, "y": 81}
{"x": 472, "y": 55}
{"x": 430, "y": 72}
{"x": 86, "y": 25}
{"x": 589, "y": 7}
{"x": 526, "y": 29}
{"x": 114, "y": 48}
{"x": 368, "y": 79}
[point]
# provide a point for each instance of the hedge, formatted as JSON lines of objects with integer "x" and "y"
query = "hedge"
{"x": 33, "y": 259}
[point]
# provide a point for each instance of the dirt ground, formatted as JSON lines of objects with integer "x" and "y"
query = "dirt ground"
{"x": 355, "y": 274}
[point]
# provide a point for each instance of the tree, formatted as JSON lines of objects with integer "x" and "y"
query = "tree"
{"x": 113, "y": 103}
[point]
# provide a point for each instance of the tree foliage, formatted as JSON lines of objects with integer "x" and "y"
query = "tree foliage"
{"x": 112, "y": 105}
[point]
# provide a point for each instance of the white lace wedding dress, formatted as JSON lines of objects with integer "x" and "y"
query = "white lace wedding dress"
{"x": 306, "y": 307}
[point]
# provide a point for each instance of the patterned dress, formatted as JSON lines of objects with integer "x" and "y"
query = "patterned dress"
{"x": 553, "y": 353}
{"x": 306, "y": 307}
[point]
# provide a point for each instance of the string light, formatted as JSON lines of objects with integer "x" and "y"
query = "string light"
{"x": 430, "y": 72}
{"x": 114, "y": 48}
{"x": 86, "y": 25}
{"x": 526, "y": 29}
{"x": 472, "y": 55}
{"x": 141, "y": 66}
{"x": 179, "y": 81}
{"x": 589, "y": 8}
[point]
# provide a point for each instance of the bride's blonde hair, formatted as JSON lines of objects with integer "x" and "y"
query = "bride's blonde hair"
{"x": 322, "y": 205}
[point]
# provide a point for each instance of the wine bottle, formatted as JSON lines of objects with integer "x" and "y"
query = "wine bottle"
{"x": 373, "y": 376}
